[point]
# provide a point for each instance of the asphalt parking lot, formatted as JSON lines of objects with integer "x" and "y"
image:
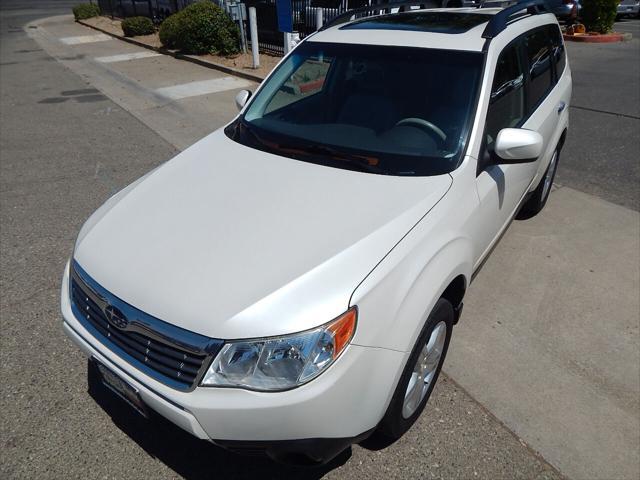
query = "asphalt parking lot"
{"x": 517, "y": 402}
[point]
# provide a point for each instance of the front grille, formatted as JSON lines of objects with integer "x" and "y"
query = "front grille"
{"x": 172, "y": 355}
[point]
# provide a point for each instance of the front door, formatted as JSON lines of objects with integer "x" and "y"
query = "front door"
{"x": 501, "y": 187}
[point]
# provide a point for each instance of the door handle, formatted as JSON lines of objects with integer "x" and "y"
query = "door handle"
{"x": 561, "y": 107}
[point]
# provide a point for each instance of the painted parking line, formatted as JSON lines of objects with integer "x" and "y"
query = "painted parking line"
{"x": 203, "y": 87}
{"x": 124, "y": 57}
{"x": 100, "y": 37}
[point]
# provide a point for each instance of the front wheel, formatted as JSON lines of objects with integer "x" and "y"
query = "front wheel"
{"x": 420, "y": 373}
{"x": 540, "y": 195}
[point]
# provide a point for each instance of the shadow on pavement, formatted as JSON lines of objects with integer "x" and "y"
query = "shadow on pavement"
{"x": 190, "y": 457}
{"x": 377, "y": 442}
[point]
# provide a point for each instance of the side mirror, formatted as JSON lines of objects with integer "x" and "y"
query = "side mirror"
{"x": 241, "y": 98}
{"x": 518, "y": 145}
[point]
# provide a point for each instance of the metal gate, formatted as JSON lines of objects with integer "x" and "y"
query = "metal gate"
{"x": 155, "y": 9}
{"x": 304, "y": 18}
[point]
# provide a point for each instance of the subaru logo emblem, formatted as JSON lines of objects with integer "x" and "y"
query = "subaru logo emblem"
{"x": 116, "y": 317}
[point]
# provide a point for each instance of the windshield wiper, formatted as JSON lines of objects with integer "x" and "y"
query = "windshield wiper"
{"x": 360, "y": 162}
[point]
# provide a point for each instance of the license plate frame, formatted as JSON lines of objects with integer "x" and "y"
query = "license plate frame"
{"x": 120, "y": 387}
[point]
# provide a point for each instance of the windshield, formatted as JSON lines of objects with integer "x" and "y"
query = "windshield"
{"x": 379, "y": 109}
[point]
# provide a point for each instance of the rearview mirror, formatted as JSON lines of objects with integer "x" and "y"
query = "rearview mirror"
{"x": 518, "y": 145}
{"x": 241, "y": 98}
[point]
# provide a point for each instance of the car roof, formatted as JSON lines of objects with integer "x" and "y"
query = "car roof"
{"x": 443, "y": 28}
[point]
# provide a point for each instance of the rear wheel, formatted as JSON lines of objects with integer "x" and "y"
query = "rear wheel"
{"x": 421, "y": 372}
{"x": 540, "y": 195}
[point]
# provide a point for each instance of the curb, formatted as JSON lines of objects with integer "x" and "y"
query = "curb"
{"x": 604, "y": 38}
{"x": 179, "y": 56}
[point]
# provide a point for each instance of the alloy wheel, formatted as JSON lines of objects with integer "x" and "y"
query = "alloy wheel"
{"x": 424, "y": 370}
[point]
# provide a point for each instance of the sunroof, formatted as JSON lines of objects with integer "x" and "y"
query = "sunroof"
{"x": 437, "y": 22}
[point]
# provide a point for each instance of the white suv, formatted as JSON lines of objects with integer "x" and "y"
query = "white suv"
{"x": 289, "y": 284}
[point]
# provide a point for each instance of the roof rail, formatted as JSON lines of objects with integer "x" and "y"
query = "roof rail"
{"x": 501, "y": 19}
{"x": 374, "y": 9}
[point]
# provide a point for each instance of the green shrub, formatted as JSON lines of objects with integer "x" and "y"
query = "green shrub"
{"x": 599, "y": 15}
{"x": 200, "y": 28}
{"x": 169, "y": 29}
{"x": 86, "y": 10}
{"x": 134, "y": 26}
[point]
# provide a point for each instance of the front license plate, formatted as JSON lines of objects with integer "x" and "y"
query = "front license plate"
{"x": 117, "y": 385}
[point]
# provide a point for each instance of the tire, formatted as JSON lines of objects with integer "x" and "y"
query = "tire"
{"x": 400, "y": 416}
{"x": 540, "y": 195}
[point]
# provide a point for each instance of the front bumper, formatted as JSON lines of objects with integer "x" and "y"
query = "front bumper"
{"x": 348, "y": 399}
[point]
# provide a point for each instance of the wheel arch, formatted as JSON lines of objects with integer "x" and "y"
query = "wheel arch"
{"x": 403, "y": 295}
{"x": 562, "y": 139}
{"x": 454, "y": 293}
{"x": 453, "y": 265}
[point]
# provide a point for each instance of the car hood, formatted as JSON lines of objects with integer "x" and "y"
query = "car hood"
{"x": 231, "y": 242}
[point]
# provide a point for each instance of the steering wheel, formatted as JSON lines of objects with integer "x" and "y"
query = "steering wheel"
{"x": 425, "y": 125}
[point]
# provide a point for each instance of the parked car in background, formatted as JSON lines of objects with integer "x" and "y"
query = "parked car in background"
{"x": 565, "y": 10}
{"x": 628, "y": 8}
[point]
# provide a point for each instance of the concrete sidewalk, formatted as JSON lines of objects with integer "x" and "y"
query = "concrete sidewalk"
{"x": 548, "y": 341}
{"x": 144, "y": 85}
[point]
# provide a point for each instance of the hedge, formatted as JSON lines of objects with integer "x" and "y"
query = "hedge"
{"x": 202, "y": 27}
{"x": 86, "y": 10}
{"x": 169, "y": 29}
{"x": 599, "y": 15}
{"x": 134, "y": 26}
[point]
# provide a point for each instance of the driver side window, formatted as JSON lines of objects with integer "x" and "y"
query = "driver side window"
{"x": 307, "y": 80}
{"x": 507, "y": 103}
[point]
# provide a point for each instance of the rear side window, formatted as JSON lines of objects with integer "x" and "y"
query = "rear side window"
{"x": 538, "y": 50}
{"x": 558, "y": 53}
{"x": 506, "y": 107}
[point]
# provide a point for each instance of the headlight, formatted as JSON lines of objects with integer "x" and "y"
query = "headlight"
{"x": 281, "y": 363}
